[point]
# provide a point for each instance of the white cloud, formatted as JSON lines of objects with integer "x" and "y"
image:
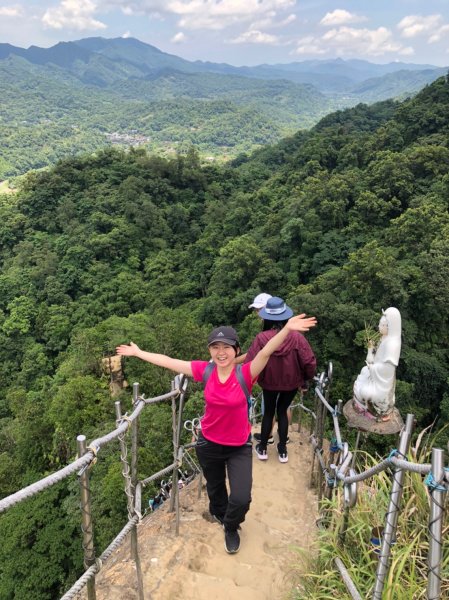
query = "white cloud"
{"x": 309, "y": 45}
{"x": 269, "y": 22}
{"x": 288, "y": 20}
{"x": 372, "y": 42}
{"x": 349, "y": 41}
{"x": 134, "y": 7}
{"x": 11, "y": 11}
{"x": 439, "y": 34}
{"x": 254, "y": 36}
{"x": 178, "y": 38}
{"x": 206, "y": 14}
{"x": 340, "y": 17}
{"x": 126, "y": 35}
{"x": 415, "y": 25}
{"x": 73, "y": 14}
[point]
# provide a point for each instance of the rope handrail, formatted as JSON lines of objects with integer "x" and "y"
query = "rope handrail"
{"x": 46, "y": 482}
{"x": 94, "y": 569}
{"x": 159, "y": 474}
{"x": 85, "y": 460}
{"x": 421, "y": 468}
{"x": 385, "y": 464}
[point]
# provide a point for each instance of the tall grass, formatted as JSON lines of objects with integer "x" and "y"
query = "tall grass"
{"x": 407, "y": 576}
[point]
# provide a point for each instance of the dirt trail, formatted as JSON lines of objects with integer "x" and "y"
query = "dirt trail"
{"x": 195, "y": 566}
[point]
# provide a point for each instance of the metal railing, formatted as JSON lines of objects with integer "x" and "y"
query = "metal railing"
{"x": 325, "y": 474}
{"x": 341, "y": 471}
{"x": 87, "y": 456}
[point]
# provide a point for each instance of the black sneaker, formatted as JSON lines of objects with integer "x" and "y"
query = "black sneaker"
{"x": 261, "y": 452}
{"x": 218, "y": 519}
{"x": 258, "y": 437}
{"x": 283, "y": 456}
{"x": 282, "y": 453}
{"x": 232, "y": 541}
{"x": 288, "y": 439}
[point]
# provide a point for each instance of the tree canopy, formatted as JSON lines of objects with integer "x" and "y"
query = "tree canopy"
{"x": 341, "y": 221}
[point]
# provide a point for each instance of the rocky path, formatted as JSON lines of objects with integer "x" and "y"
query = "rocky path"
{"x": 195, "y": 566}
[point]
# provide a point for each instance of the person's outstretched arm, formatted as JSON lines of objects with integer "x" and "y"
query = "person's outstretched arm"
{"x": 299, "y": 323}
{"x": 240, "y": 359}
{"x": 160, "y": 360}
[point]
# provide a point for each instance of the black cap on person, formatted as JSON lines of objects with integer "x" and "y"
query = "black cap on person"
{"x": 227, "y": 335}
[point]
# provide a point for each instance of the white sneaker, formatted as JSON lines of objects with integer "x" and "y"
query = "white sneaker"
{"x": 261, "y": 454}
{"x": 283, "y": 458}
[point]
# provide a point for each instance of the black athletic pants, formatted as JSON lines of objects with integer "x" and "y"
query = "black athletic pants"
{"x": 276, "y": 402}
{"x": 215, "y": 461}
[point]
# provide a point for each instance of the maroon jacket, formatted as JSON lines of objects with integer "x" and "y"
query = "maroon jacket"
{"x": 289, "y": 367}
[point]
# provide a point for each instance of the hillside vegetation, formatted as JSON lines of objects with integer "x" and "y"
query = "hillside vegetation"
{"x": 82, "y": 96}
{"x": 342, "y": 221}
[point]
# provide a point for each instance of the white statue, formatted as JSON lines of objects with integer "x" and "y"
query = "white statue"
{"x": 375, "y": 386}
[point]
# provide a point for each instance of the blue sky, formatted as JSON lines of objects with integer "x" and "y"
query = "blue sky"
{"x": 243, "y": 32}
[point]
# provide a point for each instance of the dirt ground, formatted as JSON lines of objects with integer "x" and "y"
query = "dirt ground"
{"x": 279, "y": 529}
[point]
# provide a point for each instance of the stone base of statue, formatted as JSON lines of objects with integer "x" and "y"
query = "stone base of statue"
{"x": 371, "y": 424}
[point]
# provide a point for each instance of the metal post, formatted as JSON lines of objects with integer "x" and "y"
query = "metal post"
{"x": 321, "y": 422}
{"x": 134, "y": 542}
{"x": 437, "y": 498}
{"x": 357, "y": 441}
{"x": 350, "y": 586}
{"x": 86, "y": 511}
{"x": 300, "y": 411}
{"x": 174, "y": 479}
{"x": 344, "y": 527}
{"x": 182, "y": 387}
{"x": 125, "y": 472}
{"x": 315, "y": 434}
{"x": 393, "y": 512}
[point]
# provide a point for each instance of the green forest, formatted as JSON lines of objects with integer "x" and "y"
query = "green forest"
{"x": 81, "y": 96}
{"x": 223, "y": 115}
{"x": 341, "y": 221}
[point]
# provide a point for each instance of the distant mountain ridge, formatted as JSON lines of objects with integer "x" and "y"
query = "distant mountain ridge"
{"x": 141, "y": 60}
{"x": 80, "y": 96}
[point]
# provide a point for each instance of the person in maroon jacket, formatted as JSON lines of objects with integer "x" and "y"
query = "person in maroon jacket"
{"x": 288, "y": 369}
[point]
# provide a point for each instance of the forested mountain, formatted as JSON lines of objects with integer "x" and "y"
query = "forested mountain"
{"x": 48, "y": 113}
{"x": 342, "y": 221}
{"x": 101, "y": 61}
{"x": 85, "y": 95}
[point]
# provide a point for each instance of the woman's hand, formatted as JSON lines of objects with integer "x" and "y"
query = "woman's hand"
{"x": 301, "y": 323}
{"x": 298, "y": 323}
{"x": 160, "y": 360}
{"x": 130, "y": 349}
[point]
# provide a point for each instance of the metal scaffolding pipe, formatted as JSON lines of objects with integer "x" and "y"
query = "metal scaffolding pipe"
{"x": 86, "y": 516}
{"x": 350, "y": 586}
{"x": 437, "y": 492}
{"x": 393, "y": 512}
{"x": 134, "y": 540}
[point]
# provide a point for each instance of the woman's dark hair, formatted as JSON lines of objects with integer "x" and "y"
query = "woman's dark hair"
{"x": 267, "y": 324}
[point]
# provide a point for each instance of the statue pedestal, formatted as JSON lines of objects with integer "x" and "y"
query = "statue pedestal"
{"x": 363, "y": 423}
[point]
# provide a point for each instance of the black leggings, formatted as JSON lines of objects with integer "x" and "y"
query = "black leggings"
{"x": 215, "y": 461}
{"x": 276, "y": 402}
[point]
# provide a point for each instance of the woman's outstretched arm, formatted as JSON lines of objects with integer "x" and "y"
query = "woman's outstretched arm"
{"x": 299, "y": 323}
{"x": 160, "y": 360}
